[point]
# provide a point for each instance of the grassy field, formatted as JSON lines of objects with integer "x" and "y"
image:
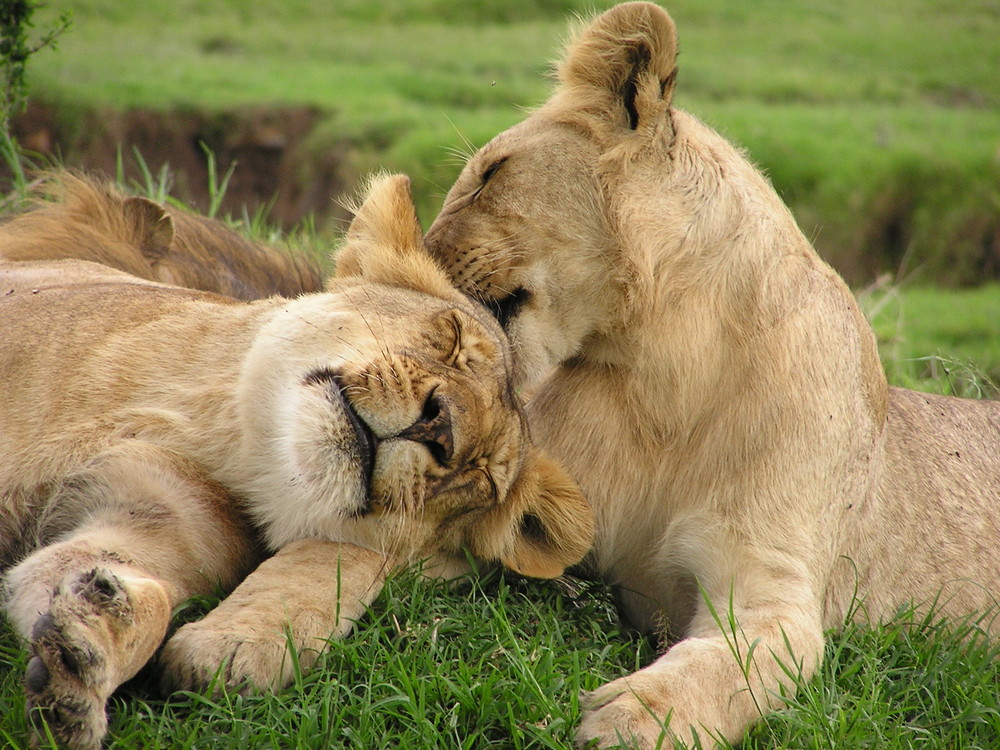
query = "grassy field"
{"x": 938, "y": 340}
{"x": 878, "y": 121}
{"x": 500, "y": 663}
{"x": 862, "y": 113}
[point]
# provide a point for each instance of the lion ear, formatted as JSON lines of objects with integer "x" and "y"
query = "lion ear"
{"x": 385, "y": 243}
{"x": 622, "y": 66}
{"x": 555, "y": 524}
{"x": 151, "y": 225}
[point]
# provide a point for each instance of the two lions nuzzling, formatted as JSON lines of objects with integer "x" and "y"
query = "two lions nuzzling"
{"x": 712, "y": 385}
{"x": 158, "y": 442}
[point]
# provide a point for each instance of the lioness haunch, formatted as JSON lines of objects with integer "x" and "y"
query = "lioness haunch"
{"x": 158, "y": 442}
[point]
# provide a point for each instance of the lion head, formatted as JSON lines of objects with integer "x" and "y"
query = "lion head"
{"x": 580, "y": 224}
{"x": 408, "y": 421}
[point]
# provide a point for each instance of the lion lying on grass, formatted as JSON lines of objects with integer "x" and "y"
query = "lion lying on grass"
{"x": 158, "y": 442}
{"x": 715, "y": 390}
{"x": 84, "y": 219}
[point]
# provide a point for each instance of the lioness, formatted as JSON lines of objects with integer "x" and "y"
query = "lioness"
{"x": 157, "y": 442}
{"x": 82, "y": 218}
{"x": 716, "y": 392}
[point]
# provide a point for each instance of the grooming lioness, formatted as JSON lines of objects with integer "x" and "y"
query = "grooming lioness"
{"x": 715, "y": 390}
{"x": 157, "y": 442}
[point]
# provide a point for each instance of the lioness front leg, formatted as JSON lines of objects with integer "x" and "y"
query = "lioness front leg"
{"x": 307, "y": 593}
{"x": 99, "y": 627}
{"x": 95, "y": 605}
{"x": 715, "y": 682}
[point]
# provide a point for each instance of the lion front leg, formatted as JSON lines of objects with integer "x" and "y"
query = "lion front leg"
{"x": 730, "y": 670}
{"x": 95, "y": 604}
{"x": 310, "y": 591}
{"x": 98, "y": 630}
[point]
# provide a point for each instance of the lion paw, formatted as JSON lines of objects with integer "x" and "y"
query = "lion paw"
{"x": 200, "y": 656}
{"x": 69, "y": 678}
{"x": 633, "y": 711}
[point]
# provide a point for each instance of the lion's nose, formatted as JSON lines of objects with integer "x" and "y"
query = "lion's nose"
{"x": 433, "y": 429}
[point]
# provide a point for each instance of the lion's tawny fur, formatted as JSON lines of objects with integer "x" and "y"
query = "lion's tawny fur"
{"x": 714, "y": 388}
{"x": 77, "y": 216}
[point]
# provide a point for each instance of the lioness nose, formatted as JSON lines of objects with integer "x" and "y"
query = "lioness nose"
{"x": 433, "y": 429}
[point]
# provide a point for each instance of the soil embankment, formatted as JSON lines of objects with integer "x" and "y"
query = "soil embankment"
{"x": 273, "y": 169}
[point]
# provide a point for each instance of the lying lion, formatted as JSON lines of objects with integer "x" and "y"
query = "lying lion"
{"x": 716, "y": 392}
{"x": 85, "y": 219}
{"x": 158, "y": 442}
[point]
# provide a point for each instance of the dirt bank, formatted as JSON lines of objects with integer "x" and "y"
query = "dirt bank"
{"x": 274, "y": 170}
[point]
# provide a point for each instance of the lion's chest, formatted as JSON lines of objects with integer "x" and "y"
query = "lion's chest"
{"x": 639, "y": 496}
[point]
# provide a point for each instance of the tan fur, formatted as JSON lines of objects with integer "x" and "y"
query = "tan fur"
{"x": 158, "y": 442}
{"x": 714, "y": 389}
{"x": 80, "y": 217}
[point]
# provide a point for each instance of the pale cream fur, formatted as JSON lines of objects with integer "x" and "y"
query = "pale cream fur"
{"x": 159, "y": 442}
{"x": 715, "y": 390}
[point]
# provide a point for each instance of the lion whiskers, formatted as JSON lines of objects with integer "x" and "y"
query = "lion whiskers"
{"x": 458, "y": 155}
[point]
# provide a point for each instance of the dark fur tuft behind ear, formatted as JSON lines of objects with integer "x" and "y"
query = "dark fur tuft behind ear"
{"x": 152, "y": 226}
{"x": 621, "y": 67}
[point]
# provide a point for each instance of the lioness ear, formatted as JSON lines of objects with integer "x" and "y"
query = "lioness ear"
{"x": 151, "y": 225}
{"x": 385, "y": 243}
{"x": 622, "y": 67}
{"x": 556, "y": 524}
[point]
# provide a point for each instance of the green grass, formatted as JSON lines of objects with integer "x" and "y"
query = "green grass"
{"x": 942, "y": 341}
{"x": 877, "y": 121}
{"x": 913, "y": 683}
{"x": 500, "y": 662}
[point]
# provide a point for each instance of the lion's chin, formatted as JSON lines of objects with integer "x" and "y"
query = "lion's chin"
{"x": 361, "y": 443}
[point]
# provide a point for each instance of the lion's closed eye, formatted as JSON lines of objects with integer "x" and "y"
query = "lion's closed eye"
{"x": 488, "y": 174}
{"x": 492, "y": 169}
{"x": 456, "y": 348}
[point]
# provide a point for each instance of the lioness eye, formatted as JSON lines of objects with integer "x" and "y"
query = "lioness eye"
{"x": 487, "y": 175}
{"x": 492, "y": 169}
{"x": 456, "y": 347}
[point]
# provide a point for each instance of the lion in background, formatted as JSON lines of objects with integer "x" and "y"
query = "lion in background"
{"x": 715, "y": 390}
{"x": 82, "y": 218}
{"x": 157, "y": 442}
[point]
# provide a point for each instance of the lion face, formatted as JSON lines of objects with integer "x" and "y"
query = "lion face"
{"x": 523, "y": 230}
{"x": 407, "y": 413}
{"x": 436, "y": 417}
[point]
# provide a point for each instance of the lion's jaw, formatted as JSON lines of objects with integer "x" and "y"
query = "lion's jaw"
{"x": 542, "y": 267}
{"x": 378, "y": 442}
